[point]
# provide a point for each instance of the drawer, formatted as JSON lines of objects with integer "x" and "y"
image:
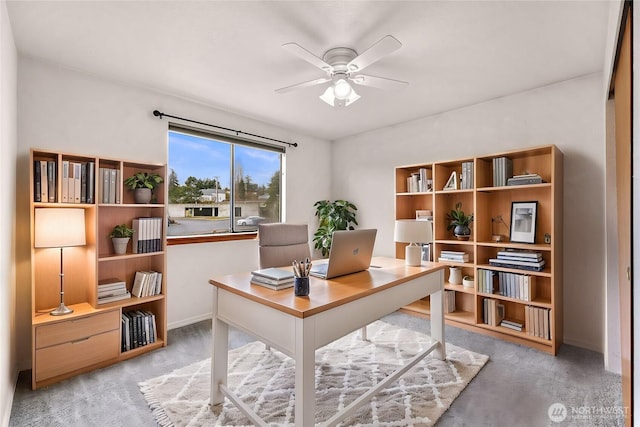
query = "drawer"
{"x": 70, "y": 356}
{"x": 76, "y": 329}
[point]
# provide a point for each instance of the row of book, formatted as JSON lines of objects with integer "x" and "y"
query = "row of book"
{"x": 77, "y": 182}
{"x": 138, "y": 329}
{"x": 519, "y": 259}
{"x": 110, "y": 290}
{"x": 273, "y": 278}
{"x": 485, "y": 281}
{"x": 147, "y": 235}
{"x": 493, "y": 312}
{"x": 538, "y": 322}
{"x": 146, "y": 284}
{"x": 44, "y": 181}
{"x": 109, "y": 190}
{"x": 455, "y": 256}
{"x": 466, "y": 177}
{"x": 502, "y": 171}
{"x": 449, "y": 301}
{"x": 419, "y": 182}
{"x": 518, "y": 286}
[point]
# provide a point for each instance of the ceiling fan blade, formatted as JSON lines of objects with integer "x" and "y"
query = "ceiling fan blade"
{"x": 303, "y": 53}
{"x": 381, "y": 48}
{"x": 379, "y": 82}
{"x": 304, "y": 84}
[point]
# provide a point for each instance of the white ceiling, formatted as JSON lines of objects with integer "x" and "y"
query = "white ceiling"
{"x": 228, "y": 54}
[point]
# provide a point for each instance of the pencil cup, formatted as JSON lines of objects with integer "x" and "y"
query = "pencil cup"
{"x": 301, "y": 286}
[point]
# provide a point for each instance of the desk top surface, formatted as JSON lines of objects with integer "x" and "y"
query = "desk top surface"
{"x": 326, "y": 294}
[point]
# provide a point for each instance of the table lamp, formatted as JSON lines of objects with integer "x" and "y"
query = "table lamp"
{"x": 59, "y": 228}
{"x": 413, "y": 232}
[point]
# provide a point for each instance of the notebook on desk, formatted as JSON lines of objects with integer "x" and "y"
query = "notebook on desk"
{"x": 351, "y": 251}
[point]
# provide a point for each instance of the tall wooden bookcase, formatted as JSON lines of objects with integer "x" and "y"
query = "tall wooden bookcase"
{"x": 488, "y": 202}
{"x": 90, "y": 337}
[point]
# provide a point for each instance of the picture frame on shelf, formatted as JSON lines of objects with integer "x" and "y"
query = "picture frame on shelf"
{"x": 424, "y": 215}
{"x": 523, "y": 222}
{"x": 452, "y": 182}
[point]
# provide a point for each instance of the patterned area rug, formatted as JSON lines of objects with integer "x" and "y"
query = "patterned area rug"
{"x": 346, "y": 368}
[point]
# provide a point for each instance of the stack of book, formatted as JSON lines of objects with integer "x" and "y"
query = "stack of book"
{"x": 455, "y": 256}
{"x": 449, "y": 301}
{"x": 502, "y": 170}
{"x": 485, "y": 281}
{"x": 516, "y": 326}
{"x": 146, "y": 284}
{"x": 147, "y": 235}
{"x": 138, "y": 329}
{"x": 537, "y": 321}
{"x": 493, "y": 313}
{"x": 518, "y": 286}
{"x": 110, "y": 290}
{"x": 522, "y": 260}
{"x": 530, "y": 178}
{"x": 273, "y": 278}
{"x": 466, "y": 177}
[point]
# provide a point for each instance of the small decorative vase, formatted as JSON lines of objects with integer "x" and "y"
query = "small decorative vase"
{"x": 301, "y": 286}
{"x": 467, "y": 281}
{"x": 120, "y": 245}
{"x": 455, "y": 276}
{"x": 142, "y": 195}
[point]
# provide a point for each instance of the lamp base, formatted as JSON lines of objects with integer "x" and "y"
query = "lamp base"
{"x": 413, "y": 255}
{"x": 61, "y": 310}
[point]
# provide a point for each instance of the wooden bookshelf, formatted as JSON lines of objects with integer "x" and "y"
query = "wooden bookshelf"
{"x": 487, "y": 202}
{"x": 91, "y": 336}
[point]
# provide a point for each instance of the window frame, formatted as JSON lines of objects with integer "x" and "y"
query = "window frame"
{"x": 233, "y": 140}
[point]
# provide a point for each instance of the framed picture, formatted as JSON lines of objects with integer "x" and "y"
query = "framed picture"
{"x": 523, "y": 222}
{"x": 452, "y": 182}
{"x": 424, "y": 215}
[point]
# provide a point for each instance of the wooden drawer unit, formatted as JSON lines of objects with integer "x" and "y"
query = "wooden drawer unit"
{"x": 68, "y": 346}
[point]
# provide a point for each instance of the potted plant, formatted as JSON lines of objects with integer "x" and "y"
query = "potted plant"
{"x": 332, "y": 216}
{"x": 120, "y": 236}
{"x": 142, "y": 184}
{"x": 459, "y": 222}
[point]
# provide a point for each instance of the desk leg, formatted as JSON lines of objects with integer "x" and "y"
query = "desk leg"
{"x": 305, "y": 357}
{"x": 437, "y": 321}
{"x": 219, "y": 353}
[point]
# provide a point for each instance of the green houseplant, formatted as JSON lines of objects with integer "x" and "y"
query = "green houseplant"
{"x": 459, "y": 222}
{"x": 120, "y": 235}
{"x": 142, "y": 184}
{"x": 332, "y": 216}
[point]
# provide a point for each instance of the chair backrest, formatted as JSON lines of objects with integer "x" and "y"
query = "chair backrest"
{"x": 281, "y": 243}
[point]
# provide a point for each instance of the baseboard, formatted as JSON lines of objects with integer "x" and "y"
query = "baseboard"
{"x": 189, "y": 321}
{"x": 8, "y": 403}
{"x": 581, "y": 344}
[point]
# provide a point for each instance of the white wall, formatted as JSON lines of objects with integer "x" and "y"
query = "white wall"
{"x": 569, "y": 115}
{"x": 8, "y": 144}
{"x": 63, "y": 110}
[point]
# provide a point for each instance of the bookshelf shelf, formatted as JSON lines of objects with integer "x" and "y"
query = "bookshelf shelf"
{"x": 86, "y": 266}
{"x": 483, "y": 191}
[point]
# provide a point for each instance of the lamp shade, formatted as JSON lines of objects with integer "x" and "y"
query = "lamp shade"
{"x": 59, "y": 227}
{"x": 412, "y": 231}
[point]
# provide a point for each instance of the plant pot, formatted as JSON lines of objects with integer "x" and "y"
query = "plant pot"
{"x": 120, "y": 244}
{"x": 462, "y": 230}
{"x": 142, "y": 195}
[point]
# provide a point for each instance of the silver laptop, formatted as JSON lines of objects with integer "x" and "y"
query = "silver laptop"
{"x": 350, "y": 252}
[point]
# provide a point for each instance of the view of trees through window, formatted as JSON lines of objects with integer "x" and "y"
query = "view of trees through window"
{"x": 217, "y": 185}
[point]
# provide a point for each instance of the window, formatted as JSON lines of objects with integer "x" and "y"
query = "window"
{"x": 221, "y": 184}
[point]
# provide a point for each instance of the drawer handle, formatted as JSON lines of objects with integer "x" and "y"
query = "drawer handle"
{"x": 80, "y": 340}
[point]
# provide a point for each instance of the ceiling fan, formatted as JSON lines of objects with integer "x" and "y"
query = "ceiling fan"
{"x": 343, "y": 66}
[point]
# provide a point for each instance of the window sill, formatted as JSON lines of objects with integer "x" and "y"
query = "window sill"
{"x": 187, "y": 240}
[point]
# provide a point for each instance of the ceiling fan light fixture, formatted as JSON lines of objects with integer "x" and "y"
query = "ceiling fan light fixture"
{"x": 342, "y": 89}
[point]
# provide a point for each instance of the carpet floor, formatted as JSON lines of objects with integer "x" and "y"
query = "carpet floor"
{"x": 345, "y": 369}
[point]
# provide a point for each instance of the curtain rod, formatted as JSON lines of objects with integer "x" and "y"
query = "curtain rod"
{"x": 237, "y": 132}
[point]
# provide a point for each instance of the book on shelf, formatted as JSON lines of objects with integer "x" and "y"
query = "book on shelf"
{"x": 520, "y": 265}
{"x": 45, "y": 181}
{"x": 466, "y": 180}
{"x": 147, "y": 235}
{"x": 538, "y": 321}
{"x": 453, "y": 256}
{"x": 277, "y": 274}
{"x": 449, "y": 301}
{"x": 516, "y": 326}
{"x": 113, "y": 298}
{"x": 520, "y": 254}
{"x": 502, "y": 170}
{"x": 525, "y": 179}
{"x": 146, "y": 283}
{"x": 518, "y": 286}
{"x": 493, "y": 312}
{"x": 485, "y": 280}
{"x": 110, "y": 290}
{"x": 138, "y": 329}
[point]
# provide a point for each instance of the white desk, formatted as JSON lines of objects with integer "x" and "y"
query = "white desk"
{"x": 297, "y": 326}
